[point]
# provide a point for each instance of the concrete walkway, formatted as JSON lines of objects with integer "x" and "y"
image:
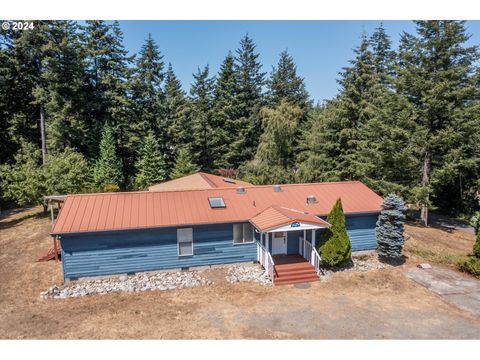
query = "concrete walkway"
{"x": 456, "y": 288}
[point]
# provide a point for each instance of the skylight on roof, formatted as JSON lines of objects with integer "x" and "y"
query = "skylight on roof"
{"x": 216, "y": 202}
{"x": 228, "y": 180}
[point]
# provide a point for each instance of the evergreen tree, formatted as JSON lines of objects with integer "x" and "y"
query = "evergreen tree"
{"x": 250, "y": 81}
{"x": 179, "y": 130}
{"x": 383, "y": 56}
{"x": 285, "y": 85}
{"x": 150, "y": 165}
{"x": 108, "y": 71}
{"x": 183, "y": 165}
{"x": 334, "y": 246}
{"x": 334, "y": 136}
{"x": 204, "y": 134}
{"x": 390, "y": 227}
{"x": 107, "y": 173}
{"x": 147, "y": 93}
{"x": 225, "y": 117}
{"x": 436, "y": 76}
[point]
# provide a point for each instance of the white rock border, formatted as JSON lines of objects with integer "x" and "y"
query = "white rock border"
{"x": 135, "y": 283}
{"x": 248, "y": 273}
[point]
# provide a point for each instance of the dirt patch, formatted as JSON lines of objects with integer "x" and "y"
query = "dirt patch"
{"x": 437, "y": 245}
{"x": 373, "y": 304}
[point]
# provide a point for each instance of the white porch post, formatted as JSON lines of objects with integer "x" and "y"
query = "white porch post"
{"x": 304, "y": 241}
{"x": 268, "y": 242}
{"x": 312, "y": 258}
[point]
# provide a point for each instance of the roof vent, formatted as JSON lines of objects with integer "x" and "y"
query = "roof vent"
{"x": 241, "y": 190}
{"x": 277, "y": 188}
{"x": 311, "y": 199}
{"x": 228, "y": 180}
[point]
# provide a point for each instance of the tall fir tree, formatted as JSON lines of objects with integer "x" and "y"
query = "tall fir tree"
{"x": 251, "y": 80}
{"x": 284, "y": 84}
{"x": 334, "y": 138}
{"x": 107, "y": 172}
{"x": 150, "y": 164}
{"x": 174, "y": 112}
{"x": 183, "y": 164}
{"x": 226, "y": 116}
{"x": 201, "y": 97}
{"x": 436, "y": 76}
{"x": 147, "y": 91}
{"x": 383, "y": 56}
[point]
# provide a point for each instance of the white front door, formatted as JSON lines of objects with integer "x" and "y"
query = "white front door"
{"x": 279, "y": 243}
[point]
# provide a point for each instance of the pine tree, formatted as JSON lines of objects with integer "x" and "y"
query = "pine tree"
{"x": 108, "y": 71}
{"x": 201, "y": 95}
{"x": 334, "y": 246}
{"x": 107, "y": 173}
{"x": 390, "y": 227}
{"x": 174, "y": 112}
{"x": 250, "y": 81}
{"x": 384, "y": 57}
{"x": 183, "y": 165}
{"x": 334, "y": 139}
{"x": 285, "y": 85}
{"x": 150, "y": 165}
{"x": 147, "y": 93}
{"x": 225, "y": 116}
{"x": 435, "y": 75}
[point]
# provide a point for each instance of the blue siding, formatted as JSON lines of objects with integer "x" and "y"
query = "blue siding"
{"x": 361, "y": 230}
{"x": 149, "y": 249}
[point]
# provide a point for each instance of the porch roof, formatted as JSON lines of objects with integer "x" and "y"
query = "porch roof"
{"x": 275, "y": 216}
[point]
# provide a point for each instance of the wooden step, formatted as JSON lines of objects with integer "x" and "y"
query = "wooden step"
{"x": 286, "y": 280}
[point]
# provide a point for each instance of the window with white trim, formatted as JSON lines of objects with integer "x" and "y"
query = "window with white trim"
{"x": 185, "y": 241}
{"x": 243, "y": 233}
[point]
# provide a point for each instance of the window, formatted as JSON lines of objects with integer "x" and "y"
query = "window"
{"x": 243, "y": 233}
{"x": 185, "y": 241}
{"x": 216, "y": 202}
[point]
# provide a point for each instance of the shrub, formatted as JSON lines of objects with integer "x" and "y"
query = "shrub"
{"x": 470, "y": 265}
{"x": 390, "y": 228}
{"x": 476, "y": 247}
{"x": 334, "y": 245}
{"x": 111, "y": 188}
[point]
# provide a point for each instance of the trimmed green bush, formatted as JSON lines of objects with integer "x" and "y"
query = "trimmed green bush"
{"x": 470, "y": 265}
{"x": 334, "y": 245}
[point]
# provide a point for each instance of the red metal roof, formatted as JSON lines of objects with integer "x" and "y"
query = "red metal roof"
{"x": 131, "y": 210}
{"x": 275, "y": 216}
{"x": 199, "y": 180}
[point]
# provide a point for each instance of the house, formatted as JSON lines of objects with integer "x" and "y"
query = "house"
{"x": 112, "y": 233}
{"x": 198, "y": 180}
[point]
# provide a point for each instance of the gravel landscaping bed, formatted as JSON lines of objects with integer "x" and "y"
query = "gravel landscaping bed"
{"x": 134, "y": 283}
{"x": 364, "y": 262}
{"x": 241, "y": 273}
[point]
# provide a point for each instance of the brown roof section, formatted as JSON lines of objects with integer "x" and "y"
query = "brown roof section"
{"x": 199, "y": 180}
{"x": 132, "y": 210}
{"x": 275, "y": 216}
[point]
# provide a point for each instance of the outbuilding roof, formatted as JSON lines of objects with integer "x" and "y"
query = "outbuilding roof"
{"x": 148, "y": 209}
{"x": 199, "y": 180}
{"x": 275, "y": 216}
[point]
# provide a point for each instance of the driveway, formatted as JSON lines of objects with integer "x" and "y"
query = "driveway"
{"x": 458, "y": 289}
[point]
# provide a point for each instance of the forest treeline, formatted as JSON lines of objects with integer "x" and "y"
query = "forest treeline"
{"x": 78, "y": 113}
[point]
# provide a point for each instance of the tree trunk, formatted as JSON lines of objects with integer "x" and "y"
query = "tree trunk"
{"x": 42, "y": 134}
{"x": 427, "y": 167}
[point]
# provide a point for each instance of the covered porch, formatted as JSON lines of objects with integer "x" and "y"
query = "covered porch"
{"x": 287, "y": 241}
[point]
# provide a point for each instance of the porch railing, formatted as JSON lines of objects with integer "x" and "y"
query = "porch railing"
{"x": 310, "y": 254}
{"x": 265, "y": 259}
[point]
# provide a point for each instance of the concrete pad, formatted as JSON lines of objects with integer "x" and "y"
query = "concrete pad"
{"x": 456, "y": 288}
